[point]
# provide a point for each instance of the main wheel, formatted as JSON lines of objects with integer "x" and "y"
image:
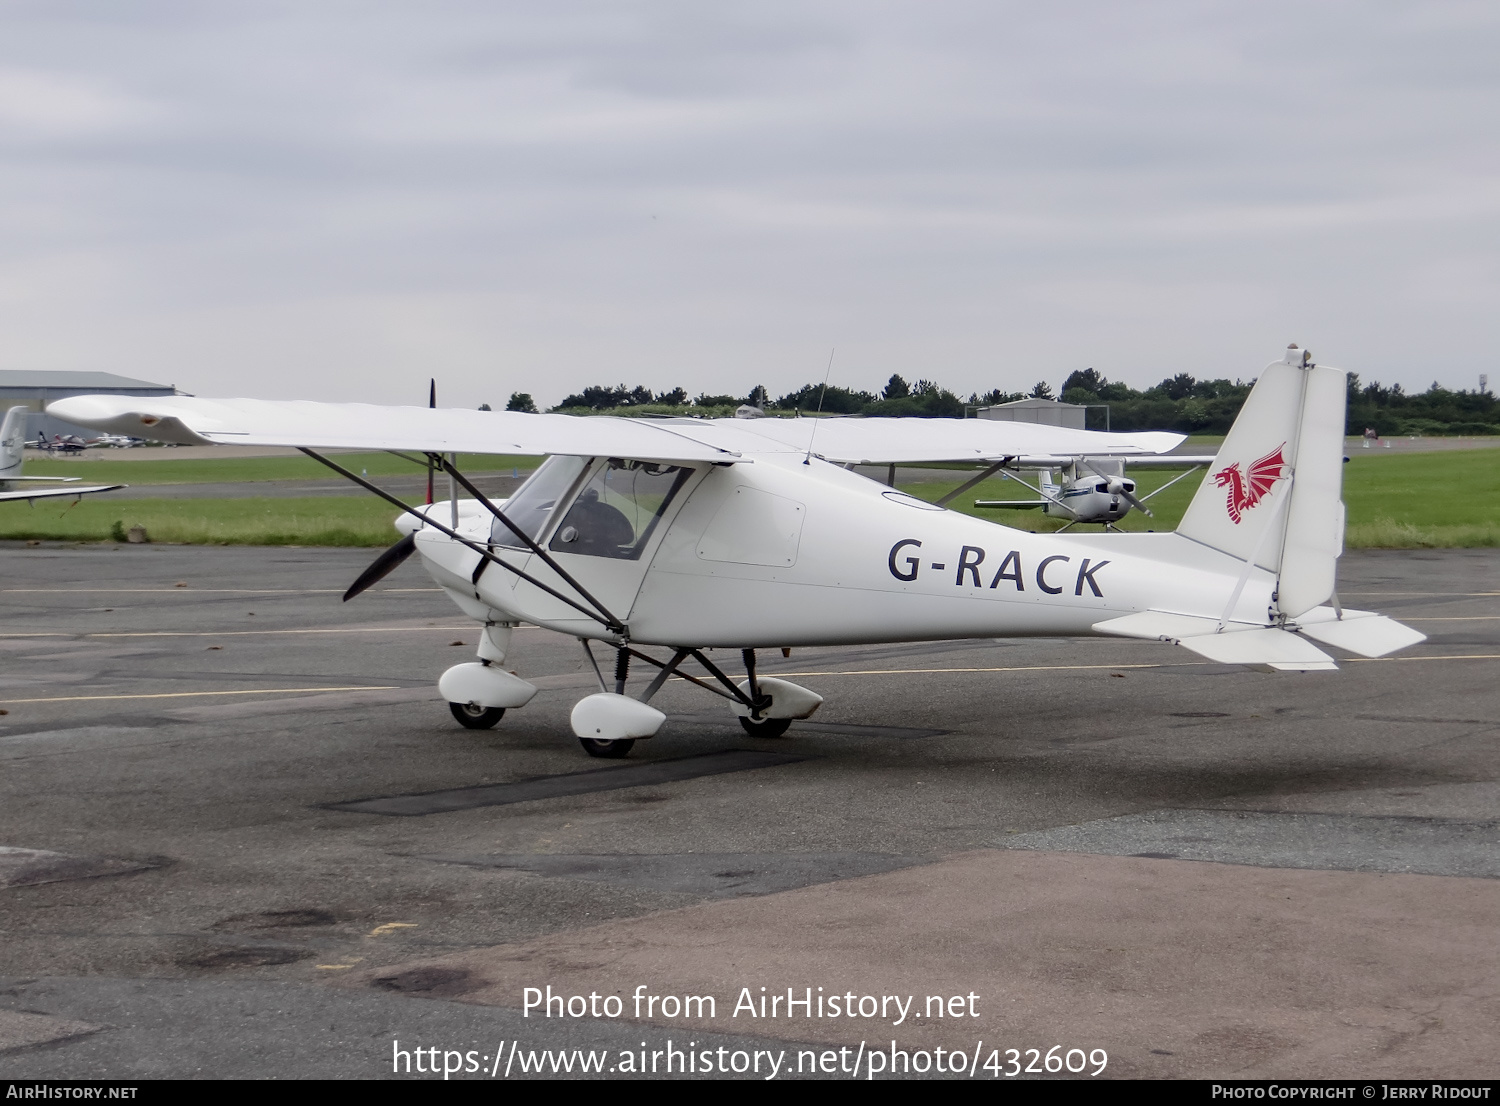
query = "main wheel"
{"x": 766, "y": 727}
{"x": 610, "y": 750}
{"x": 471, "y": 716}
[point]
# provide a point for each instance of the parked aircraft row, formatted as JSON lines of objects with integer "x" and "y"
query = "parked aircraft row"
{"x": 14, "y": 485}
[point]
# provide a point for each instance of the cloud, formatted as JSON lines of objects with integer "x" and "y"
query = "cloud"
{"x": 305, "y": 200}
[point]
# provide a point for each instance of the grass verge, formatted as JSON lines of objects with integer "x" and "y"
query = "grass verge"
{"x": 1397, "y": 501}
{"x": 1440, "y": 500}
{"x": 354, "y": 521}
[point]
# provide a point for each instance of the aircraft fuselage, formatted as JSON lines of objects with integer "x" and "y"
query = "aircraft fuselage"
{"x": 781, "y": 553}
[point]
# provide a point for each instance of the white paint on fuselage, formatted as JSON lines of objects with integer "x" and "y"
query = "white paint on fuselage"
{"x": 845, "y": 585}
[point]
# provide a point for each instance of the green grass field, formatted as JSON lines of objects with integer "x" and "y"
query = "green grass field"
{"x": 1396, "y": 501}
{"x": 1399, "y": 501}
{"x": 356, "y": 520}
{"x": 235, "y": 470}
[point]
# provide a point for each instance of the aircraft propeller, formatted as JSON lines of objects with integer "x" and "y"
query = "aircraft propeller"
{"x": 1117, "y": 487}
{"x": 383, "y": 566}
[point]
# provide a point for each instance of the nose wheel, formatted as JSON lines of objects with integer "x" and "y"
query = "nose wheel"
{"x": 471, "y": 716}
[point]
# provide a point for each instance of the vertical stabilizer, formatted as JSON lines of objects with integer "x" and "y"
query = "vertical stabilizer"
{"x": 13, "y": 441}
{"x": 1273, "y": 495}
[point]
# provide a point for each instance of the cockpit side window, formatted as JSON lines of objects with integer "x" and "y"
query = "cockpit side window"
{"x": 532, "y": 504}
{"x": 618, "y": 509}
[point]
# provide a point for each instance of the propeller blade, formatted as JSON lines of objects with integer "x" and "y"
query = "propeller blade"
{"x": 383, "y": 566}
{"x": 1136, "y": 503}
{"x": 431, "y": 402}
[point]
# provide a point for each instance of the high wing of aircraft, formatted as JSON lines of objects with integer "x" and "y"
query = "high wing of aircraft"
{"x": 12, "y": 453}
{"x": 745, "y": 534}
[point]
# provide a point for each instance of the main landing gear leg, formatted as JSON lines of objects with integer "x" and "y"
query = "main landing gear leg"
{"x": 754, "y": 725}
{"x": 620, "y": 747}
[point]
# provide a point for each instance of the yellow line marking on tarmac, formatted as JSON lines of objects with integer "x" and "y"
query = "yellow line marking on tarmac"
{"x": 1091, "y": 667}
{"x": 350, "y": 961}
{"x": 1019, "y": 668}
{"x": 1463, "y": 657}
{"x": 1428, "y": 594}
{"x": 199, "y": 694}
{"x": 390, "y": 927}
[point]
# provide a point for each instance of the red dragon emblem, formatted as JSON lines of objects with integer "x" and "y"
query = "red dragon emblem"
{"x": 1246, "y": 491}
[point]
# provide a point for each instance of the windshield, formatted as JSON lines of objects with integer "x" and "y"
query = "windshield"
{"x": 532, "y": 504}
{"x": 618, "y": 509}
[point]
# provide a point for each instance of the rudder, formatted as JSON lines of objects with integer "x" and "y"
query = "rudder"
{"x": 13, "y": 441}
{"x": 1273, "y": 495}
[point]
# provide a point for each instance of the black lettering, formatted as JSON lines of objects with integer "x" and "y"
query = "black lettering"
{"x": 912, "y": 564}
{"x": 1013, "y": 562}
{"x": 1041, "y": 578}
{"x": 1087, "y": 573}
{"x": 966, "y": 565}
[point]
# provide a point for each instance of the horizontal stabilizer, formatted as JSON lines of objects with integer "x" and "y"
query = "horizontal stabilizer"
{"x": 1162, "y": 626}
{"x": 53, "y": 493}
{"x": 1362, "y": 632}
{"x": 1266, "y": 648}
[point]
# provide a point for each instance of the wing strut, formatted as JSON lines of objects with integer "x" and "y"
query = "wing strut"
{"x": 604, "y": 618}
{"x": 967, "y": 484}
{"x": 1044, "y": 495}
{"x": 1170, "y": 482}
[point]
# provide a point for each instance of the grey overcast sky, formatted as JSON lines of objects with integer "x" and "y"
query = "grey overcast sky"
{"x": 337, "y": 200}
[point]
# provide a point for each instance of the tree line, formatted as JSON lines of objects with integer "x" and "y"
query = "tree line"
{"x": 1181, "y": 402}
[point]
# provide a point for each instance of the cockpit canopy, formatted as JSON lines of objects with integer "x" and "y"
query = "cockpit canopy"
{"x": 611, "y": 506}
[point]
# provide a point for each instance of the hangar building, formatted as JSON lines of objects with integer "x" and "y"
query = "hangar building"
{"x": 1048, "y": 411}
{"x": 27, "y": 388}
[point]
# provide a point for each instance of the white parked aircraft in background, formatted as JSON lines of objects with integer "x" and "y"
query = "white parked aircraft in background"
{"x": 1086, "y": 488}
{"x": 12, "y": 453}
{"x": 748, "y": 534}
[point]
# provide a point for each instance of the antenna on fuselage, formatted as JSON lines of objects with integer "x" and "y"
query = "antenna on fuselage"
{"x": 821, "y": 393}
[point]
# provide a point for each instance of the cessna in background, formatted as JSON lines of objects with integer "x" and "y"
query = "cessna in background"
{"x": 117, "y": 441}
{"x": 12, "y": 454}
{"x": 689, "y": 535}
{"x": 1086, "y": 489}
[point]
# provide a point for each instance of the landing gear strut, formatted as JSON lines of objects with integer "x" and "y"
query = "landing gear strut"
{"x": 608, "y": 723}
{"x": 620, "y": 746}
{"x": 754, "y": 724}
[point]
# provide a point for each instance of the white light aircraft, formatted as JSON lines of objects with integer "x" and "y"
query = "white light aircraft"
{"x": 12, "y": 454}
{"x": 1085, "y": 488}
{"x": 691, "y": 534}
